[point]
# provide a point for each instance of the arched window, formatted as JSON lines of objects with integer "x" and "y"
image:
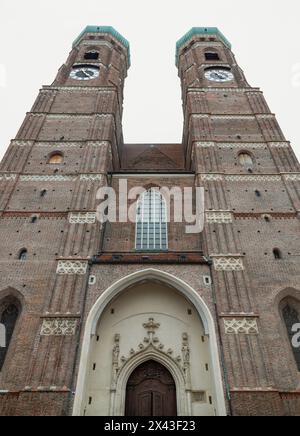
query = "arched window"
{"x": 23, "y": 255}
{"x": 246, "y": 161}
{"x": 91, "y": 55}
{"x": 56, "y": 159}
{"x": 151, "y": 222}
{"x": 291, "y": 317}
{"x": 277, "y": 254}
{"x": 9, "y": 313}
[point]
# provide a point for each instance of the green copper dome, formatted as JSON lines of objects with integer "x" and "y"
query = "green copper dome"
{"x": 199, "y": 31}
{"x": 105, "y": 29}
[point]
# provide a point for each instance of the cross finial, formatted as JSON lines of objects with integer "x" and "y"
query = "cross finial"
{"x": 151, "y": 326}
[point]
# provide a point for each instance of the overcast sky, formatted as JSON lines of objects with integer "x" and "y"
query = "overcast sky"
{"x": 36, "y": 37}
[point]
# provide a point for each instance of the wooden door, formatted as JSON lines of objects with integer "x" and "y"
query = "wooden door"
{"x": 151, "y": 391}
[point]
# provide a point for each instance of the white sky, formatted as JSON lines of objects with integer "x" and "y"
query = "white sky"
{"x": 36, "y": 37}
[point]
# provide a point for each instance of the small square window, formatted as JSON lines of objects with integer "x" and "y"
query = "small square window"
{"x": 210, "y": 56}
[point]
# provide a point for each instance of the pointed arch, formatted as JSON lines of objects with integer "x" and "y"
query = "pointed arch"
{"x": 10, "y": 311}
{"x": 113, "y": 291}
{"x": 290, "y": 313}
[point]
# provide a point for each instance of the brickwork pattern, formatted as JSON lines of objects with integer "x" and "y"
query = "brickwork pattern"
{"x": 83, "y": 123}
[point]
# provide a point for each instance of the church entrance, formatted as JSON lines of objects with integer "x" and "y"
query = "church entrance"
{"x": 151, "y": 391}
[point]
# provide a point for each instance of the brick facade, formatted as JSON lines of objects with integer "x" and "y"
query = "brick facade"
{"x": 82, "y": 120}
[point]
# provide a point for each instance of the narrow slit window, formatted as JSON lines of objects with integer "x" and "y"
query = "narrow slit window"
{"x": 277, "y": 254}
{"x": 23, "y": 255}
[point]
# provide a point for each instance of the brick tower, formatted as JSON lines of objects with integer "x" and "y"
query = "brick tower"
{"x": 251, "y": 178}
{"x": 143, "y": 318}
{"x": 49, "y": 178}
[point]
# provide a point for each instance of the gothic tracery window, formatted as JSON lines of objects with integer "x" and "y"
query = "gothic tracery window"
{"x": 291, "y": 317}
{"x": 151, "y": 222}
{"x": 9, "y": 313}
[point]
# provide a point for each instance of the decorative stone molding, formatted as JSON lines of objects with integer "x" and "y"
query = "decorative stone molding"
{"x": 21, "y": 143}
{"x": 82, "y": 218}
{"x": 255, "y": 91}
{"x": 265, "y": 116}
{"x": 279, "y": 144}
{"x": 228, "y": 145}
{"x": 78, "y": 88}
{"x": 219, "y": 217}
{"x": 228, "y": 264}
{"x": 91, "y": 177}
{"x": 37, "y": 114}
{"x": 211, "y": 177}
{"x": 8, "y": 177}
{"x": 233, "y": 117}
{"x": 200, "y": 115}
{"x": 58, "y": 327}
{"x": 48, "y": 178}
{"x": 98, "y": 143}
{"x": 236, "y": 326}
{"x": 58, "y": 144}
{"x": 60, "y": 178}
{"x": 249, "y": 90}
{"x": 71, "y": 144}
{"x": 68, "y": 267}
{"x": 205, "y": 144}
{"x": 241, "y": 177}
{"x": 292, "y": 177}
{"x": 253, "y": 178}
{"x": 236, "y": 117}
{"x": 77, "y": 116}
{"x": 150, "y": 342}
{"x": 206, "y": 43}
{"x": 81, "y": 89}
{"x": 244, "y": 145}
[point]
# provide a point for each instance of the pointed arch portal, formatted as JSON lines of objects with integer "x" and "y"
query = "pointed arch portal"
{"x": 151, "y": 352}
{"x": 151, "y": 391}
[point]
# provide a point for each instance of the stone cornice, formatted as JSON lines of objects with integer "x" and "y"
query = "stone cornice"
{"x": 229, "y": 89}
{"x": 210, "y": 177}
{"x": 254, "y": 145}
{"x": 105, "y": 89}
{"x": 69, "y": 115}
{"x": 93, "y": 177}
{"x": 24, "y": 143}
{"x": 235, "y": 117}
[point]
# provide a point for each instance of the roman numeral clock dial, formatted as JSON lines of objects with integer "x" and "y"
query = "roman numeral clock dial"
{"x": 84, "y": 72}
{"x": 220, "y": 75}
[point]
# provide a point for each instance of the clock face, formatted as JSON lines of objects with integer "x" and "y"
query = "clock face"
{"x": 84, "y": 73}
{"x": 219, "y": 75}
